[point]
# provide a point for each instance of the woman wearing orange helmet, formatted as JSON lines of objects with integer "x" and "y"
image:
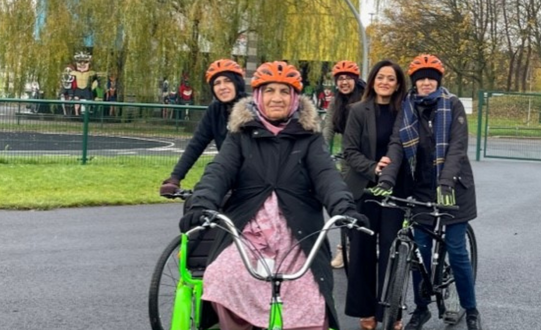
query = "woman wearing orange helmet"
{"x": 350, "y": 89}
{"x": 279, "y": 172}
{"x": 431, "y": 136}
{"x": 226, "y": 81}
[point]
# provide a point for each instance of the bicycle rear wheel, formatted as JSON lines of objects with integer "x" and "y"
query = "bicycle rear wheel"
{"x": 448, "y": 300}
{"x": 163, "y": 290}
{"x": 398, "y": 284}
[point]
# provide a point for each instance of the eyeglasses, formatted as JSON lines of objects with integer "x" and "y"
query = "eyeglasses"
{"x": 342, "y": 79}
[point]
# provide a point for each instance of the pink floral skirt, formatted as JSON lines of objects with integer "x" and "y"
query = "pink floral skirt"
{"x": 227, "y": 282}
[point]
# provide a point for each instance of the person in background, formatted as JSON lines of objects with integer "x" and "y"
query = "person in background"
{"x": 99, "y": 95}
{"x": 364, "y": 144}
{"x": 350, "y": 89}
{"x": 431, "y": 137}
{"x": 111, "y": 93}
{"x": 275, "y": 163}
{"x": 185, "y": 92}
{"x": 325, "y": 98}
{"x": 226, "y": 81}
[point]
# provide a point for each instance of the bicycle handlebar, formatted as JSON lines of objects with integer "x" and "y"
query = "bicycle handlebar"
{"x": 180, "y": 193}
{"x": 411, "y": 201}
{"x": 210, "y": 218}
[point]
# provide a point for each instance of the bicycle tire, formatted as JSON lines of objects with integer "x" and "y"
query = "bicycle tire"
{"x": 163, "y": 288}
{"x": 397, "y": 287}
{"x": 448, "y": 301}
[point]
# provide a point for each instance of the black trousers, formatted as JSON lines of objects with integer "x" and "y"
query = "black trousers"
{"x": 367, "y": 271}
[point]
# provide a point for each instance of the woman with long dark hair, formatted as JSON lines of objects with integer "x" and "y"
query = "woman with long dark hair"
{"x": 367, "y": 134}
{"x": 349, "y": 89}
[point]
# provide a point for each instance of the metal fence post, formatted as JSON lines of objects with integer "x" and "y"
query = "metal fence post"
{"x": 85, "y": 133}
{"x": 18, "y": 115}
{"x": 480, "y": 98}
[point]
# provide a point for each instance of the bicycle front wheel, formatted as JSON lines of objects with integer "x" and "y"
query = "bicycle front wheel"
{"x": 398, "y": 283}
{"x": 448, "y": 300}
{"x": 163, "y": 290}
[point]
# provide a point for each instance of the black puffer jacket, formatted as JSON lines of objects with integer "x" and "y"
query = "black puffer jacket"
{"x": 295, "y": 165}
{"x": 456, "y": 172}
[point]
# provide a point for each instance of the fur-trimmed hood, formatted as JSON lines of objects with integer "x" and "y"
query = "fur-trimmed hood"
{"x": 241, "y": 115}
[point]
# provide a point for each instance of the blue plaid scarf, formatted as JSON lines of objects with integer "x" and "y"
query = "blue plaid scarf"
{"x": 409, "y": 128}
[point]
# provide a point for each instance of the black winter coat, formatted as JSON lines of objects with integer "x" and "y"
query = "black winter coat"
{"x": 359, "y": 148}
{"x": 295, "y": 165}
{"x": 456, "y": 172}
{"x": 213, "y": 126}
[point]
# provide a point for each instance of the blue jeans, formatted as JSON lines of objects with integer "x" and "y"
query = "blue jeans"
{"x": 455, "y": 238}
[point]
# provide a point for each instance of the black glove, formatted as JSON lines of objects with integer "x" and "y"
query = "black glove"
{"x": 191, "y": 219}
{"x": 169, "y": 187}
{"x": 383, "y": 188}
{"x": 446, "y": 195}
{"x": 362, "y": 220}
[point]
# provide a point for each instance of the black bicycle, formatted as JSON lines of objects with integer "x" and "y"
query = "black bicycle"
{"x": 405, "y": 255}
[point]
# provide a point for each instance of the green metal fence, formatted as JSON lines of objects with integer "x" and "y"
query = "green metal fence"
{"x": 509, "y": 125}
{"x": 81, "y": 132}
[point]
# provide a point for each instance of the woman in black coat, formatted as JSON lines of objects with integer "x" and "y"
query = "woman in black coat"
{"x": 431, "y": 137}
{"x": 368, "y": 130}
{"x": 281, "y": 175}
{"x": 226, "y": 80}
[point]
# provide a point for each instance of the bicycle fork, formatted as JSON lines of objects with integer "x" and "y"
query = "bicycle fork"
{"x": 186, "y": 306}
{"x": 275, "y": 317}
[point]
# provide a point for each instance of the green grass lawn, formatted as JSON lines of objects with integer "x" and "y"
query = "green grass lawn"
{"x": 46, "y": 185}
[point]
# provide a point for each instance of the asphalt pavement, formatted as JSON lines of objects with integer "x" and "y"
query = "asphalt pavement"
{"x": 90, "y": 268}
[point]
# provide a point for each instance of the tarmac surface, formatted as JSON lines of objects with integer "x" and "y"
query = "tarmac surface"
{"x": 36, "y": 142}
{"x": 90, "y": 268}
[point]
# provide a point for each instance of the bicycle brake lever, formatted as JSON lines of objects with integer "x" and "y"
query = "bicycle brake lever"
{"x": 208, "y": 217}
{"x": 349, "y": 222}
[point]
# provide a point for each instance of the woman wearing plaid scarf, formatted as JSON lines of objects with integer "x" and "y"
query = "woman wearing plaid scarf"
{"x": 431, "y": 134}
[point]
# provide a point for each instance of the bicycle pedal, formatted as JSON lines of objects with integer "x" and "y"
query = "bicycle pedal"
{"x": 453, "y": 317}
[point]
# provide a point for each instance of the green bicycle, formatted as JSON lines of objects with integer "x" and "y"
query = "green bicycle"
{"x": 177, "y": 286}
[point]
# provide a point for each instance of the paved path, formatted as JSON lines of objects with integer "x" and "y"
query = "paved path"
{"x": 90, "y": 268}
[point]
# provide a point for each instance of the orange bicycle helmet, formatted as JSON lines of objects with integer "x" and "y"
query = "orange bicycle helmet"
{"x": 346, "y": 67}
{"x": 277, "y": 72}
{"x": 425, "y": 61}
{"x": 223, "y": 65}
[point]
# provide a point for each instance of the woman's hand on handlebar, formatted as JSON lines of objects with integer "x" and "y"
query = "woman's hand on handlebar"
{"x": 169, "y": 187}
{"x": 383, "y": 188}
{"x": 362, "y": 220}
{"x": 191, "y": 219}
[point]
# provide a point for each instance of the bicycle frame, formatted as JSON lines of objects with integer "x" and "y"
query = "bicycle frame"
{"x": 433, "y": 284}
{"x": 430, "y": 279}
{"x": 188, "y": 290}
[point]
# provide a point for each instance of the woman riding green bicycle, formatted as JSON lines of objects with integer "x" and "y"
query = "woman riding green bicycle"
{"x": 280, "y": 174}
